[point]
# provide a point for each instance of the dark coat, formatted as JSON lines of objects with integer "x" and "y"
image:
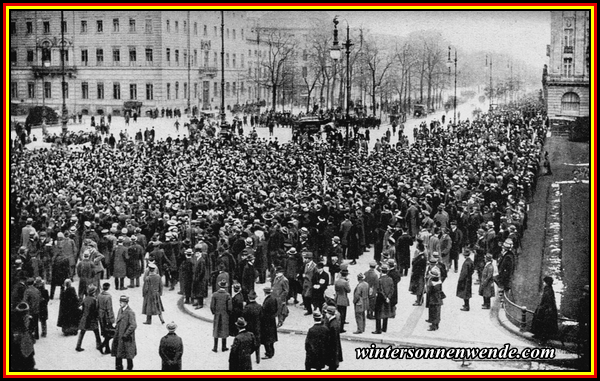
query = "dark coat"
{"x": 119, "y": 259}
{"x": 385, "y": 291}
{"x": 170, "y": 351}
{"x": 322, "y": 280}
{"x": 248, "y": 278}
{"x": 221, "y": 306}
{"x": 465, "y": 279}
{"x": 253, "y": 315}
{"x": 486, "y": 287}
{"x": 45, "y": 298}
{"x": 33, "y": 297}
{"x": 135, "y": 256}
{"x": 86, "y": 272}
{"x": 200, "y": 279}
{"x": 89, "y": 316}
{"x": 187, "y": 275}
{"x": 244, "y": 345}
{"x": 335, "y": 355}
{"x": 268, "y": 326}
{"x": 106, "y": 314}
{"x": 152, "y": 291}
{"x": 124, "y": 343}
{"x": 545, "y": 318}
{"x": 60, "y": 270}
{"x": 69, "y": 313}
{"x": 237, "y": 304}
{"x": 434, "y": 295}
{"x": 417, "y": 277}
{"x": 403, "y": 250}
{"x": 505, "y": 270}
{"x": 317, "y": 346}
{"x": 395, "y": 275}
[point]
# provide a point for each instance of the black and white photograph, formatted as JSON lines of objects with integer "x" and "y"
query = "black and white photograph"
{"x": 309, "y": 189}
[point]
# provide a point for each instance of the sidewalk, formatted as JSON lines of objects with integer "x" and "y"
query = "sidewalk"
{"x": 475, "y": 328}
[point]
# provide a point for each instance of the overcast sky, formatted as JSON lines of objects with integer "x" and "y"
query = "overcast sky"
{"x": 522, "y": 34}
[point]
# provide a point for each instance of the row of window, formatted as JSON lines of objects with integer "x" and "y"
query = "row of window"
{"x": 229, "y": 33}
{"x": 231, "y": 89}
{"x": 116, "y": 26}
{"x": 133, "y": 57}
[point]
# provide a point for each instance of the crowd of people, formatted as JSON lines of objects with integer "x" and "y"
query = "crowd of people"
{"x": 206, "y": 215}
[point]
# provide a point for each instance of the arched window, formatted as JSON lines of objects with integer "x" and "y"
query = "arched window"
{"x": 570, "y": 103}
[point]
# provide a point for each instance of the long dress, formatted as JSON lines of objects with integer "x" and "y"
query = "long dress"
{"x": 69, "y": 313}
{"x": 545, "y": 319}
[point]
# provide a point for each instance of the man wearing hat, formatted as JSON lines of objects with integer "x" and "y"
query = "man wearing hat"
{"x": 134, "y": 262}
{"x": 383, "y": 307}
{"x": 66, "y": 246}
{"x": 372, "y": 279}
{"x": 244, "y": 344}
{"x": 27, "y": 231}
{"x": 119, "y": 263}
{"x": 89, "y": 319}
{"x": 317, "y": 344}
{"x": 171, "y": 349}
{"x": 124, "y": 345}
{"x": 361, "y": 303}
{"x": 465, "y": 280}
{"x": 44, "y": 299}
{"x": 33, "y": 297}
{"x": 152, "y": 292}
{"x": 310, "y": 269}
{"x": 237, "y": 308}
{"x": 186, "y": 273}
{"x": 106, "y": 317}
{"x": 506, "y": 265}
{"x": 332, "y": 322}
{"x": 491, "y": 243}
{"x": 320, "y": 282}
{"x": 200, "y": 278}
{"x": 268, "y": 327}
{"x": 281, "y": 289}
{"x": 221, "y": 306}
{"x": 253, "y": 315}
{"x": 21, "y": 340}
{"x": 442, "y": 217}
{"x": 249, "y": 275}
{"x": 292, "y": 271}
{"x": 486, "y": 287}
{"x": 342, "y": 288}
{"x": 434, "y": 299}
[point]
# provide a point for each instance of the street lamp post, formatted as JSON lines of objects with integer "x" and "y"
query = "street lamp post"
{"x": 65, "y": 117}
{"x": 335, "y": 53}
{"x": 222, "y": 70}
{"x": 449, "y": 64}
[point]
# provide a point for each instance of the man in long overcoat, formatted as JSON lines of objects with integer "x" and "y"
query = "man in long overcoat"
{"x": 465, "y": 280}
{"x": 361, "y": 303}
{"x": 221, "y": 306}
{"x": 333, "y": 323}
{"x": 124, "y": 346}
{"x": 119, "y": 264}
{"x": 244, "y": 344}
{"x": 385, "y": 292}
{"x": 237, "y": 308}
{"x": 281, "y": 289}
{"x": 417, "y": 277}
{"x": 403, "y": 244}
{"x": 152, "y": 291}
{"x": 317, "y": 344}
{"x": 106, "y": 317}
{"x": 171, "y": 349}
{"x": 134, "y": 266}
{"x": 199, "y": 280}
{"x": 187, "y": 276}
{"x": 253, "y": 315}
{"x": 372, "y": 279}
{"x": 342, "y": 289}
{"x": 486, "y": 287}
{"x": 268, "y": 328}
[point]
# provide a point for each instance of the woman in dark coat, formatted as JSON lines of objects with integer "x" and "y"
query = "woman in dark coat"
{"x": 545, "y": 319}
{"x": 417, "y": 277}
{"x": 69, "y": 313}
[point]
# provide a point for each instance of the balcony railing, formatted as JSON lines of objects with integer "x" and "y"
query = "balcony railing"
{"x": 568, "y": 49}
{"x": 56, "y": 70}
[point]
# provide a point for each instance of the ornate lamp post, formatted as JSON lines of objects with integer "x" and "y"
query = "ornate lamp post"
{"x": 336, "y": 54}
{"x": 65, "y": 116}
{"x": 449, "y": 64}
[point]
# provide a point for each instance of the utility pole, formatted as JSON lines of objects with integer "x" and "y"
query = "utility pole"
{"x": 65, "y": 117}
{"x": 222, "y": 69}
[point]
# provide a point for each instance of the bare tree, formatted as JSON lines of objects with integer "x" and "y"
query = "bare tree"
{"x": 377, "y": 64}
{"x": 280, "y": 51}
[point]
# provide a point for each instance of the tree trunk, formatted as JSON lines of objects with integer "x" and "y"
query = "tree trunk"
{"x": 274, "y": 94}
{"x": 374, "y": 100}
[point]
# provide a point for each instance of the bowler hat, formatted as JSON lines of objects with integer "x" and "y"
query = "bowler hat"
{"x": 241, "y": 322}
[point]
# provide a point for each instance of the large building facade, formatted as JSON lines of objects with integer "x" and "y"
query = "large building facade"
{"x": 566, "y": 80}
{"x": 113, "y": 59}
